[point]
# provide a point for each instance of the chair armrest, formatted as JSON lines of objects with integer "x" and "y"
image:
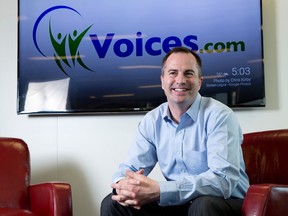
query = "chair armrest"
{"x": 266, "y": 199}
{"x": 51, "y": 199}
{"x": 15, "y": 212}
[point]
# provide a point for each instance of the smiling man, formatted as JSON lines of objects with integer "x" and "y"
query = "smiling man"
{"x": 181, "y": 80}
{"x": 197, "y": 143}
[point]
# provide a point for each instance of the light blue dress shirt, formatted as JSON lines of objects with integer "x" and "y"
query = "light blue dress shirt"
{"x": 201, "y": 155}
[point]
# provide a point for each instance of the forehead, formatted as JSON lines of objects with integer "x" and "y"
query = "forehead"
{"x": 181, "y": 60}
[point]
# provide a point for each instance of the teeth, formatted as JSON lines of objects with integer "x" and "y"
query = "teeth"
{"x": 180, "y": 90}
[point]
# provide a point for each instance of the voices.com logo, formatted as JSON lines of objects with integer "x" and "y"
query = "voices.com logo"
{"x": 66, "y": 46}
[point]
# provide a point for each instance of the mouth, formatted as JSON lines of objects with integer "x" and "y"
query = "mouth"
{"x": 180, "y": 89}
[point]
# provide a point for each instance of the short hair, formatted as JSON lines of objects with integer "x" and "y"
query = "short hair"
{"x": 183, "y": 50}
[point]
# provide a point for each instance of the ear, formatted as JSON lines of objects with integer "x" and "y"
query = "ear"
{"x": 200, "y": 82}
{"x": 162, "y": 80}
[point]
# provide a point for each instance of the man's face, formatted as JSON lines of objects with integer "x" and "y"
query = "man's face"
{"x": 180, "y": 79}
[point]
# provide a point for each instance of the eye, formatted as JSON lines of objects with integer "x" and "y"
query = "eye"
{"x": 172, "y": 73}
{"x": 190, "y": 73}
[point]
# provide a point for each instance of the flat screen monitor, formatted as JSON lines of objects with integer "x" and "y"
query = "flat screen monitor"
{"x": 105, "y": 56}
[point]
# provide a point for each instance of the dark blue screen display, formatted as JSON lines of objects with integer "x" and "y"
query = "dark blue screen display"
{"x": 105, "y": 56}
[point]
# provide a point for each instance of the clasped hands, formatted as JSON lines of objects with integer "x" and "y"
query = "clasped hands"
{"x": 136, "y": 190}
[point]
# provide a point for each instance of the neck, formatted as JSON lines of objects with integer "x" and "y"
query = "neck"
{"x": 177, "y": 111}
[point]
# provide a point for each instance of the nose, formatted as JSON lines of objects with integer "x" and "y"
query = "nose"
{"x": 180, "y": 79}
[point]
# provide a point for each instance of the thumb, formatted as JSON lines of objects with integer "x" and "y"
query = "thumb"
{"x": 141, "y": 171}
{"x": 134, "y": 175}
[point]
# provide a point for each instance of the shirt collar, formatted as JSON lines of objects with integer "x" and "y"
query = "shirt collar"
{"x": 192, "y": 111}
{"x": 194, "y": 108}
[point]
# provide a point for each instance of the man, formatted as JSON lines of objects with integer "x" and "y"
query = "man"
{"x": 197, "y": 143}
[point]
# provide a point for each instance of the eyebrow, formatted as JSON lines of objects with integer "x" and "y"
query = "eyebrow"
{"x": 188, "y": 70}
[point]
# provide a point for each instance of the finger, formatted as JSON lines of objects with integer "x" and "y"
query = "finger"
{"x": 127, "y": 193}
{"x": 123, "y": 204}
{"x": 131, "y": 202}
{"x": 118, "y": 198}
{"x": 129, "y": 186}
{"x": 125, "y": 184}
{"x": 115, "y": 186}
{"x": 135, "y": 176}
{"x": 134, "y": 206}
{"x": 141, "y": 171}
{"x": 121, "y": 198}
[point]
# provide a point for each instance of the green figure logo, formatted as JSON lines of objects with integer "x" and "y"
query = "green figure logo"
{"x": 60, "y": 48}
{"x": 59, "y": 43}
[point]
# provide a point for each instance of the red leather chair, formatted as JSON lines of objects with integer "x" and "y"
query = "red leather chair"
{"x": 17, "y": 196}
{"x": 266, "y": 159}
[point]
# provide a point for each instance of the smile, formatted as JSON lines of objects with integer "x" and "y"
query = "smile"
{"x": 180, "y": 89}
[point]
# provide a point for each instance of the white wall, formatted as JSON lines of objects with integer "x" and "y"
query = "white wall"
{"x": 85, "y": 150}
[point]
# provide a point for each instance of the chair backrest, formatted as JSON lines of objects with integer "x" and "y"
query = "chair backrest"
{"x": 14, "y": 173}
{"x": 266, "y": 156}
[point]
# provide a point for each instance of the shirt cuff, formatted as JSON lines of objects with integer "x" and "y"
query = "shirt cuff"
{"x": 168, "y": 193}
